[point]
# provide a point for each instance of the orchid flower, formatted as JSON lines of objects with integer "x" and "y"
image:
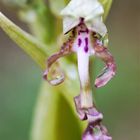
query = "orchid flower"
{"x": 83, "y": 20}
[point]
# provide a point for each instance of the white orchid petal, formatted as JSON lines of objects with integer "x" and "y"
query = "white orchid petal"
{"x": 69, "y": 23}
{"x": 97, "y": 26}
{"x": 90, "y": 10}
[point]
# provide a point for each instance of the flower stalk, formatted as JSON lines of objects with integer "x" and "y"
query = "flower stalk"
{"x": 87, "y": 38}
{"x": 87, "y": 32}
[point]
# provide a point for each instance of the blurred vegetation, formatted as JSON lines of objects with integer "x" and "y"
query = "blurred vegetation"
{"x": 120, "y": 100}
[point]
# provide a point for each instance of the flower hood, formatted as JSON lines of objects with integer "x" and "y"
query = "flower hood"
{"x": 90, "y": 10}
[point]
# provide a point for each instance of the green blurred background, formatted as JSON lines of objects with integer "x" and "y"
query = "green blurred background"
{"x": 20, "y": 78}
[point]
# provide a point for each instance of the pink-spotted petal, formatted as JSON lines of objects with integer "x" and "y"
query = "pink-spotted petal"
{"x": 107, "y": 74}
{"x": 110, "y": 67}
{"x": 53, "y": 74}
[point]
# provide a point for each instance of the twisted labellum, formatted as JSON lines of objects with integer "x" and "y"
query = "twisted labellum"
{"x": 87, "y": 31}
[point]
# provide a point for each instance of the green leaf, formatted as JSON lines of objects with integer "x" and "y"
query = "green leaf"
{"x": 107, "y": 5}
{"x": 28, "y": 43}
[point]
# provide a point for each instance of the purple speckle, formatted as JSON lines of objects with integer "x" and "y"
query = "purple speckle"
{"x": 86, "y": 49}
{"x": 86, "y": 45}
{"x": 86, "y": 41}
{"x": 79, "y": 42}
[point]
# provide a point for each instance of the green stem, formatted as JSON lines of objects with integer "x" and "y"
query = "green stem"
{"x": 53, "y": 114}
